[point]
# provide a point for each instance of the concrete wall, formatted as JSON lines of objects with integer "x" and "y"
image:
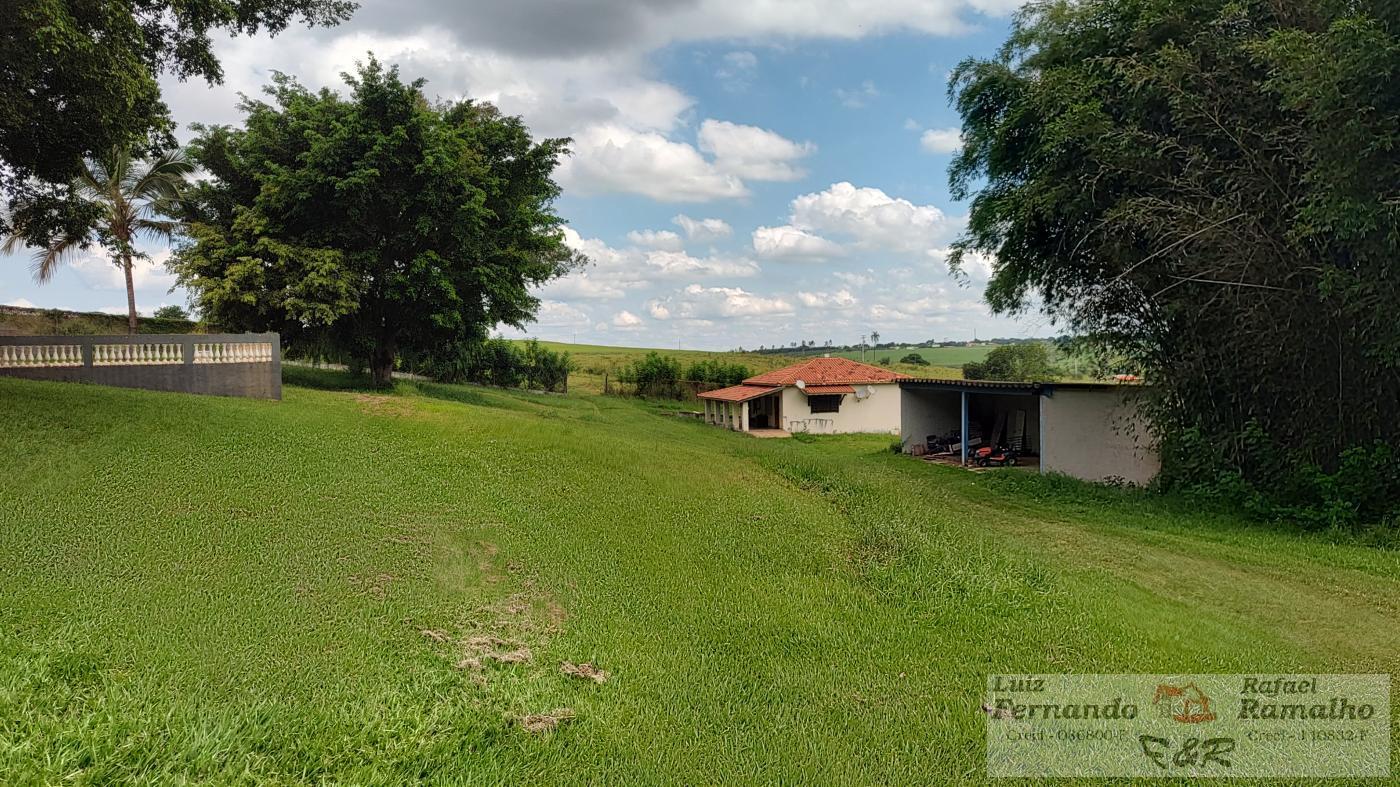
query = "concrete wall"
{"x": 243, "y": 364}
{"x": 877, "y": 413}
{"x": 1098, "y": 435}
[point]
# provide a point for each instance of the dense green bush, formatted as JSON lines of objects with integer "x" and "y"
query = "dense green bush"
{"x": 914, "y": 359}
{"x": 1277, "y": 485}
{"x": 1024, "y": 362}
{"x": 501, "y": 363}
{"x": 654, "y": 375}
{"x": 545, "y": 369}
{"x": 717, "y": 373}
{"x": 660, "y": 376}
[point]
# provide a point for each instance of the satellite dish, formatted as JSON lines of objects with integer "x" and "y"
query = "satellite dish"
{"x": 864, "y": 392}
{"x": 801, "y": 386}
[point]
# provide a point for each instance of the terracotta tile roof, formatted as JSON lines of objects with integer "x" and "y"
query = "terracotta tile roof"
{"x": 817, "y": 390}
{"x": 738, "y": 393}
{"x": 827, "y": 371}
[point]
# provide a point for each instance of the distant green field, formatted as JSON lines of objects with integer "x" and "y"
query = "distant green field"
{"x": 382, "y": 588}
{"x": 597, "y": 358}
{"x": 950, "y": 357}
{"x": 937, "y": 356}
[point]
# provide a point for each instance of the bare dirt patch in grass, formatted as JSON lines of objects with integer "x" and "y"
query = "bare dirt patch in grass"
{"x": 585, "y": 670}
{"x": 378, "y": 404}
{"x": 483, "y": 554}
{"x": 537, "y": 723}
{"x": 376, "y": 585}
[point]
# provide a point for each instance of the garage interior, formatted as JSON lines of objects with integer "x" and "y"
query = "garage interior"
{"x": 933, "y": 412}
{"x": 1092, "y": 431}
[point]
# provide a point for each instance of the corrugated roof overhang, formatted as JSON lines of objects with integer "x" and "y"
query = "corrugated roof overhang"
{"x": 739, "y": 393}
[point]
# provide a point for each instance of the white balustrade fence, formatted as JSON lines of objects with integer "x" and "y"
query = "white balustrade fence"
{"x": 233, "y": 352}
{"x": 142, "y": 354}
{"x": 24, "y": 356}
{"x": 236, "y": 364}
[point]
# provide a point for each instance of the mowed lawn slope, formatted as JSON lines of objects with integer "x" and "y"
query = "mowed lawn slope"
{"x": 359, "y": 588}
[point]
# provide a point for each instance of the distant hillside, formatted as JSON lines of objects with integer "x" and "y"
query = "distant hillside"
{"x": 937, "y": 356}
{"x": 23, "y": 321}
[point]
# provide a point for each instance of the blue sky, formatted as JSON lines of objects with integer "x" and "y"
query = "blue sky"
{"x": 743, "y": 174}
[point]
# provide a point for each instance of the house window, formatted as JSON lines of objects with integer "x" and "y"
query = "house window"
{"x": 825, "y": 403}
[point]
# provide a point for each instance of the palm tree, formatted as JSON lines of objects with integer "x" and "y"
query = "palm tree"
{"x": 130, "y": 197}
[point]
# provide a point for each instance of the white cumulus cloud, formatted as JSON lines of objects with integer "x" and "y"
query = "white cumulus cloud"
{"x": 697, "y": 302}
{"x": 665, "y": 240}
{"x": 703, "y": 230}
{"x": 840, "y": 299}
{"x": 613, "y": 158}
{"x": 871, "y": 218}
{"x": 941, "y": 140}
{"x": 626, "y": 319}
{"x": 751, "y": 152}
{"x": 793, "y": 243}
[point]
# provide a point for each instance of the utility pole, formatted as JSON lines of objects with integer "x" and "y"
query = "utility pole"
{"x": 862, "y": 348}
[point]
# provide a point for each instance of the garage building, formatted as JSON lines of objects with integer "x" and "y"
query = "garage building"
{"x": 1093, "y": 431}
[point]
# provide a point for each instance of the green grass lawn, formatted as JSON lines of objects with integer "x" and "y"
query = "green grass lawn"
{"x": 356, "y": 588}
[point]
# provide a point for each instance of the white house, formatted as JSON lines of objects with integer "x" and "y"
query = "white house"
{"x": 822, "y": 396}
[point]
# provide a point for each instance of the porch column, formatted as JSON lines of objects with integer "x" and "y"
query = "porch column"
{"x": 963, "y": 441}
{"x": 707, "y": 411}
{"x": 744, "y": 417}
{"x": 1040, "y": 441}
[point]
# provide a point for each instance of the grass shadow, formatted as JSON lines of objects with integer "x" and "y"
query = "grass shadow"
{"x": 342, "y": 380}
{"x": 326, "y": 379}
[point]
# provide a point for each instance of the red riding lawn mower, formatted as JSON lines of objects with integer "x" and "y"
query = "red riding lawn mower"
{"x": 987, "y": 456}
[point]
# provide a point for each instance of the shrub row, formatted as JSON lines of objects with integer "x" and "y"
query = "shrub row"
{"x": 662, "y": 377}
{"x": 501, "y": 363}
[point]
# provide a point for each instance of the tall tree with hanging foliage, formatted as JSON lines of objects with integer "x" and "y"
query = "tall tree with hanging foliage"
{"x": 372, "y": 224}
{"x": 79, "y": 78}
{"x": 125, "y": 200}
{"x": 1209, "y": 188}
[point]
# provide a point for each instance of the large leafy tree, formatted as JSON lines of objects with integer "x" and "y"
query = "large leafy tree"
{"x": 372, "y": 224}
{"x": 78, "y": 78}
{"x": 1209, "y": 187}
{"x": 128, "y": 199}
{"x": 1023, "y": 361}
